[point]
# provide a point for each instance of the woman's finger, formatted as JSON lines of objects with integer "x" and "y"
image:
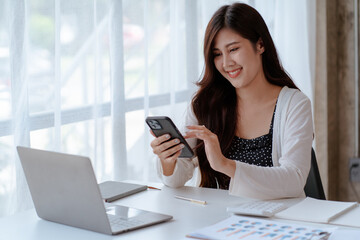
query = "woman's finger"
{"x": 166, "y": 145}
{"x": 198, "y": 131}
{"x": 174, "y": 157}
{"x": 171, "y": 152}
{"x": 159, "y": 140}
{"x": 199, "y": 127}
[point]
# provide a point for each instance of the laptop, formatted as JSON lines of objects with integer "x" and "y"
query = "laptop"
{"x": 64, "y": 190}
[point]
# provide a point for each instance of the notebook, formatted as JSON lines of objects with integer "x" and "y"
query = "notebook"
{"x": 64, "y": 190}
{"x": 112, "y": 190}
{"x": 323, "y": 211}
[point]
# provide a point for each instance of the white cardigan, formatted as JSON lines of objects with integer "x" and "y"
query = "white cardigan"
{"x": 291, "y": 155}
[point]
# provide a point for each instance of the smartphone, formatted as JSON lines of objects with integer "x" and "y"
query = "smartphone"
{"x": 161, "y": 125}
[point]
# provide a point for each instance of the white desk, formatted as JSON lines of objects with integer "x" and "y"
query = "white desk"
{"x": 187, "y": 217}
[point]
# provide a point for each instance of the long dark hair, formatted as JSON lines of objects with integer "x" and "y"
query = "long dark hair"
{"x": 215, "y": 103}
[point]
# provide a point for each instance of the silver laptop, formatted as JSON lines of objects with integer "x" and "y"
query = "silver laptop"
{"x": 64, "y": 190}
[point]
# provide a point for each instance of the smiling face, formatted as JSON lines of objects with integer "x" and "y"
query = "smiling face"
{"x": 237, "y": 59}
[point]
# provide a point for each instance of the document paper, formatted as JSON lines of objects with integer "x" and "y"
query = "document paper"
{"x": 247, "y": 228}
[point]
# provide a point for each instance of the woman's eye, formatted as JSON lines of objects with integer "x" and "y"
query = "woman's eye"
{"x": 234, "y": 49}
{"x": 216, "y": 54}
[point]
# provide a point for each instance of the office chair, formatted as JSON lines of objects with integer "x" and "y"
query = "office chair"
{"x": 313, "y": 187}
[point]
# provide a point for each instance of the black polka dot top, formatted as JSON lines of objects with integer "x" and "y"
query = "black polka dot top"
{"x": 257, "y": 151}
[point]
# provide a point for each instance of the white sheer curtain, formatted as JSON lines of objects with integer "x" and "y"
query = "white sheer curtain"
{"x": 81, "y": 76}
{"x": 294, "y": 37}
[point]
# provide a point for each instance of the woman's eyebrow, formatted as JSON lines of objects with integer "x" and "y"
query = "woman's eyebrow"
{"x": 227, "y": 45}
{"x": 232, "y": 43}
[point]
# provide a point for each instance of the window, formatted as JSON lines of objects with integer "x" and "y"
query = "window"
{"x": 81, "y": 76}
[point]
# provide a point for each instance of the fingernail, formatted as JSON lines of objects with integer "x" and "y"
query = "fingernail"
{"x": 182, "y": 145}
{"x": 167, "y": 136}
{"x": 176, "y": 141}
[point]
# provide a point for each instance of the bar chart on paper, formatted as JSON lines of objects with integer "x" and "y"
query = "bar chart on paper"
{"x": 238, "y": 227}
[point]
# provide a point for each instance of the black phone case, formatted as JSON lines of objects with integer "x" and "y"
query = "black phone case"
{"x": 167, "y": 126}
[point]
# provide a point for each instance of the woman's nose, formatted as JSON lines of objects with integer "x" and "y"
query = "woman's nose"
{"x": 227, "y": 60}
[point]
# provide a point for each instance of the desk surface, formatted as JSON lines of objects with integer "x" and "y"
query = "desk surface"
{"x": 187, "y": 217}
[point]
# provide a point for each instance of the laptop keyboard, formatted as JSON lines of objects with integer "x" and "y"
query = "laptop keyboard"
{"x": 121, "y": 223}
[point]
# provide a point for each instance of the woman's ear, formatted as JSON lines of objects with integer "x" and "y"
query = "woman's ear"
{"x": 260, "y": 46}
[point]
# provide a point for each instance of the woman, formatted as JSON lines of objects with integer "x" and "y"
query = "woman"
{"x": 252, "y": 126}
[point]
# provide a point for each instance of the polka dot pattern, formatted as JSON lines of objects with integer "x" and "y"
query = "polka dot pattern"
{"x": 257, "y": 151}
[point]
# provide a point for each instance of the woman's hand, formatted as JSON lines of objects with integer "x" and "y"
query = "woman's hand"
{"x": 167, "y": 151}
{"x": 217, "y": 160}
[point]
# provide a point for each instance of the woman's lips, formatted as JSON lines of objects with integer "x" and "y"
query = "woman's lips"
{"x": 234, "y": 73}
